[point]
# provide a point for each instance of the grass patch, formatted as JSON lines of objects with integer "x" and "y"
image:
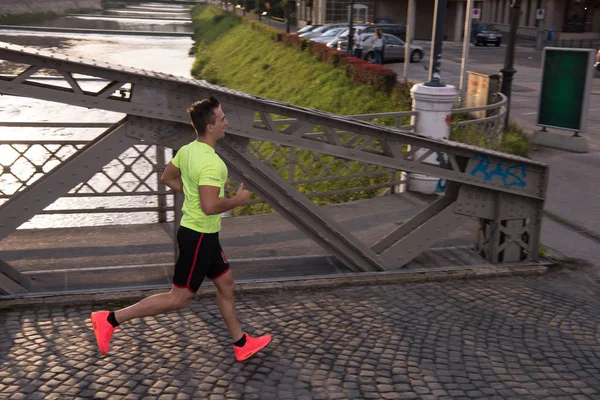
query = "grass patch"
{"x": 211, "y": 23}
{"x": 245, "y": 60}
{"x": 515, "y": 141}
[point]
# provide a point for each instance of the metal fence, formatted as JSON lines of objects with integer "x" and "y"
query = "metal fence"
{"x": 480, "y": 126}
{"x": 135, "y": 175}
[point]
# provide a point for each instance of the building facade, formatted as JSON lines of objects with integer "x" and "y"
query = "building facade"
{"x": 570, "y": 19}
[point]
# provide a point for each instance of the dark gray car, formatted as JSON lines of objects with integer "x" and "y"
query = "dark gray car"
{"x": 486, "y": 33}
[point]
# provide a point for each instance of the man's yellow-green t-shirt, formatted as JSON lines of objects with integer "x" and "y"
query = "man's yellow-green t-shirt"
{"x": 200, "y": 165}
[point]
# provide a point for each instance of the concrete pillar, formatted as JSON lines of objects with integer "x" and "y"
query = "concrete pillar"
{"x": 459, "y": 22}
{"x": 434, "y": 105}
{"x": 322, "y": 11}
{"x": 532, "y": 13}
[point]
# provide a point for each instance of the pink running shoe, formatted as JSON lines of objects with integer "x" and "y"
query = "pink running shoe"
{"x": 102, "y": 329}
{"x": 252, "y": 346}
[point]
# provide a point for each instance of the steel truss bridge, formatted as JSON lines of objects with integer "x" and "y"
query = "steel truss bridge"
{"x": 506, "y": 193}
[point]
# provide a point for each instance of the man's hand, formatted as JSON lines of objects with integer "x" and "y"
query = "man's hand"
{"x": 242, "y": 195}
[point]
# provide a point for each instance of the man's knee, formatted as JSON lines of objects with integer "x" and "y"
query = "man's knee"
{"x": 227, "y": 289}
{"x": 180, "y": 303}
{"x": 179, "y": 300}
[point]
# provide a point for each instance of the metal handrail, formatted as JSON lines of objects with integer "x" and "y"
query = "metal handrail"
{"x": 502, "y": 103}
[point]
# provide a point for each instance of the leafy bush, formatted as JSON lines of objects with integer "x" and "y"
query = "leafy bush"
{"x": 515, "y": 141}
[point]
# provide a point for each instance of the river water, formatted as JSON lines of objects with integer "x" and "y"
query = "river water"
{"x": 156, "y": 53}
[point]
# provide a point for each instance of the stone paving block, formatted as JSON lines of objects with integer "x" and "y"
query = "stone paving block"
{"x": 407, "y": 346}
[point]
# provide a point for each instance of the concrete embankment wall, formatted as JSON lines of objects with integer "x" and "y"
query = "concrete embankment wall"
{"x": 16, "y": 7}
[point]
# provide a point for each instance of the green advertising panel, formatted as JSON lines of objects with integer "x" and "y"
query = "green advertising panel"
{"x": 566, "y": 83}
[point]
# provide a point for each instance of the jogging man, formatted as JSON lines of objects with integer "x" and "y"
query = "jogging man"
{"x": 200, "y": 174}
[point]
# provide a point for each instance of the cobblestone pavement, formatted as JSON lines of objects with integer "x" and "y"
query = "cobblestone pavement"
{"x": 502, "y": 338}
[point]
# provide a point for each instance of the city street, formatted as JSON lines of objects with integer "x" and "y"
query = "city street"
{"x": 526, "y": 84}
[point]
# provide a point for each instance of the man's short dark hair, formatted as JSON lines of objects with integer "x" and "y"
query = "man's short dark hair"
{"x": 202, "y": 113}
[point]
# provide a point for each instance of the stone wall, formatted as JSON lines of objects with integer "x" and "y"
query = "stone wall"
{"x": 15, "y": 7}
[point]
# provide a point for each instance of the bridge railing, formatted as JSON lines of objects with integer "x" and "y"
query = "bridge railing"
{"x": 480, "y": 126}
{"x": 131, "y": 183}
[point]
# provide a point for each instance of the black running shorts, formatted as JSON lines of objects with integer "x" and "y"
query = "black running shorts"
{"x": 200, "y": 255}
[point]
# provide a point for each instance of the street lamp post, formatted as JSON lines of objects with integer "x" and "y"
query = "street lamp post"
{"x": 410, "y": 29}
{"x": 435, "y": 63}
{"x": 509, "y": 59}
{"x": 350, "y": 25}
{"x": 466, "y": 44}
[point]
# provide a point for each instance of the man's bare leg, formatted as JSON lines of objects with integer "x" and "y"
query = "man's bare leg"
{"x": 105, "y": 322}
{"x": 161, "y": 303}
{"x": 226, "y": 301}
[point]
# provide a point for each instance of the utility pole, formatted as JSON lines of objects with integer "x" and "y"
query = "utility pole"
{"x": 541, "y": 26}
{"x": 437, "y": 35}
{"x": 410, "y": 28}
{"x": 350, "y": 25}
{"x": 466, "y": 44}
{"x": 508, "y": 71}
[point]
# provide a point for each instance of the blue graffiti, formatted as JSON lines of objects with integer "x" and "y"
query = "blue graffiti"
{"x": 441, "y": 185}
{"x": 513, "y": 175}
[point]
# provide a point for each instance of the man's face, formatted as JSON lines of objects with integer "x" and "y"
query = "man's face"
{"x": 217, "y": 129}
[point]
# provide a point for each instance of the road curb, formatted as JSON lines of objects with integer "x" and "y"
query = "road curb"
{"x": 299, "y": 283}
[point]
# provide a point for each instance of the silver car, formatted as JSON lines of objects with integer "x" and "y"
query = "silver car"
{"x": 329, "y": 35}
{"x": 393, "y": 50}
{"x": 342, "y": 36}
{"x": 320, "y": 30}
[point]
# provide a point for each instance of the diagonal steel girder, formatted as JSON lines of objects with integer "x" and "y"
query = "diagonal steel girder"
{"x": 420, "y": 232}
{"x": 80, "y": 167}
{"x": 297, "y": 208}
{"x": 266, "y": 182}
{"x": 165, "y": 97}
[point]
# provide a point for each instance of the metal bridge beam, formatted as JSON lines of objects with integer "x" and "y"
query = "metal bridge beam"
{"x": 80, "y": 167}
{"x": 507, "y": 192}
{"x": 420, "y": 232}
{"x": 268, "y": 184}
{"x": 166, "y": 97}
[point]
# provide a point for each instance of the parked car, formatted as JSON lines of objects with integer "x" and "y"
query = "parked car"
{"x": 393, "y": 50}
{"x": 320, "y": 30}
{"x": 330, "y": 35}
{"x": 307, "y": 28}
{"x": 343, "y": 36}
{"x": 482, "y": 34}
{"x": 398, "y": 30}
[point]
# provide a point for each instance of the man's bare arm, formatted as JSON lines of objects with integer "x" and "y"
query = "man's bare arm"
{"x": 172, "y": 178}
{"x": 211, "y": 203}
